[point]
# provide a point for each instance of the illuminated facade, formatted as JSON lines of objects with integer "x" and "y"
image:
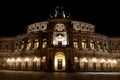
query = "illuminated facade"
{"x": 60, "y": 44}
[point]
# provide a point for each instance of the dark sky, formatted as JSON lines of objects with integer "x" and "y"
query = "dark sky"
{"x": 16, "y": 15}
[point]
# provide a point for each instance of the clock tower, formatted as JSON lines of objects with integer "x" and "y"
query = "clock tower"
{"x": 60, "y": 35}
{"x": 59, "y": 22}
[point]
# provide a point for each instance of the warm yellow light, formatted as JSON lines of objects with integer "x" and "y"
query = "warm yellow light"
{"x": 55, "y": 62}
{"x": 26, "y": 59}
{"x": 92, "y": 45}
{"x": 59, "y": 56}
{"x": 84, "y": 60}
{"x": 75, "y": 44}
{"x": 109, "y": 61}
{"x": 22, "y": 46}
{"x": 8, "y": 60}
{"x": 102, "y": 60}
{"x": 28, "y": 46}
{"x": 76, "y": 59}
{"x": 35, "y": 59}
{"x": 84, "y": 45}
{"x": 36, "y": 44}
{"x": 43, "y": 59}
{"x": 63, "y": 62}
{"x": 44, "y": 44}
{"x": 18, "y": 60}
{"x": 94, "y": 60}
{"x": 12, "y": 60}
{"x": 114, "y": 61}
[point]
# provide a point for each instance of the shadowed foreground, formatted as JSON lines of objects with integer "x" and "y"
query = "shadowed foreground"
{"x": 30, "y": 75}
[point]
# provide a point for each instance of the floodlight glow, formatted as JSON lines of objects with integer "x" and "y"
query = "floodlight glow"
{"x": 35, "y": 59}
{"x": 94, "y": 60}
{"x": 18, "y": 60}
{"x": 102, "y": 60}
{"x": 26, "y": 59}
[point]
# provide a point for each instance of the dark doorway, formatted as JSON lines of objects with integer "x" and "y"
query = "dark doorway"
{"x": 59, "y": 43}
{"x": 85, "y": 66}
{"x": 102, "y": 68}
{"x": 94, "y": 66}
{"x": 26, "y": 65}
{"x": 59, "y": 64}
{"x": 34, "y": 65}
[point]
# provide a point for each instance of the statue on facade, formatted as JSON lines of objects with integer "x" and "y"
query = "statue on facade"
{"x": 59, "y": 12}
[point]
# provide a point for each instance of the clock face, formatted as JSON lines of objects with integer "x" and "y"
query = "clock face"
{"x": 60, "y": 27}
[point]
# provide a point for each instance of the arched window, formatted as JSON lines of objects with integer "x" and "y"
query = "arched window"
{"x": 36, "y": 44}
{"x": 99, "y": 45}
{"x": 84, "y": 43}
{"x": 28, "y": 44}
{"x": 75, "y": 44}
{"x": 76, "y": 59}
{"x": 92, "y": 44}
{"x": 105, "y": 45}
{"x": 44, "y": 44}
{"x": 22, "y": 45}
{"x": 43, "y": 59}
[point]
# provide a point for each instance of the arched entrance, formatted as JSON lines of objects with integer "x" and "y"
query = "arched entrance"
{"x": 59, "y": 61}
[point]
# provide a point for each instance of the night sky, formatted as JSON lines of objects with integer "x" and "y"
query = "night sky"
{"x": 16, "y": 15}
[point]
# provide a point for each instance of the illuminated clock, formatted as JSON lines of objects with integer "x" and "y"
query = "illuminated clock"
{"x": 60, "y": 27}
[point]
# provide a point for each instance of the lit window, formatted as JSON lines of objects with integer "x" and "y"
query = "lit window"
{"x": 44, "y": 44}
{"x": 102, "y": 60}
{"x": 43, "y": 59}
{"x": 35, "y": 59}
{"x": 22, "y": 45}
{"x": 75, "y": 44}
{"x": 17, "y": 47}
{"x": 99, "y": 45}
{"x": 105, "y": 46}
{"x": 109, "y": 61}
{"x": 28, "y": 44}
{"x": 18, "y": 60}
{"x": 76, "y": 59}
{"x": 114, "y": 61}
{"x": 12, "y": 60}
{"x": 8, "y": 60}
{"x": 84, "y": 59}
{"x": 94, "y": 60}
{"x": 84, "y": 43}
{"x": 92, "y": 45}
{"x": 26, "y": 59}
{"x": 36, "y": 44}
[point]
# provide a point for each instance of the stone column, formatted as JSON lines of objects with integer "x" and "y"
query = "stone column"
{"x": 88, "y": 43}
{"x": 32, "y": 43}
{"x": 80, "y": 43}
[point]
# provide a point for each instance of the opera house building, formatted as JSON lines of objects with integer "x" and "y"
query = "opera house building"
{"x": 60, "y": 44}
